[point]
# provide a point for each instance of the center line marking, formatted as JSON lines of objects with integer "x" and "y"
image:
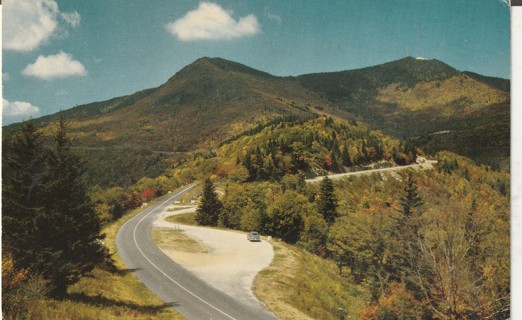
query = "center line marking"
{"x": 161, "y": 271}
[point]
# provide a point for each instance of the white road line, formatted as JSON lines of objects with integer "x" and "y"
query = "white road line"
{"x": 162, "y": 272}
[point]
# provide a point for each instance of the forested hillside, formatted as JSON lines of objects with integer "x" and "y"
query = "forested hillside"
{"x": 314, "y": 148}
{"x": 426, "y": 99}
{"x": 202, "y": 105}
{"x": 419, "y": 244}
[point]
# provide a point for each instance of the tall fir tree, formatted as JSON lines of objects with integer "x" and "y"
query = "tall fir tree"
{"x": 23, "y": 169}
{"x": 405, "y": 234}
{"x": 327, "y": 202}
{"x": 61, "y": 238}
{"x": 209, "y": 209}
{"x": 70, "y": 230}
{"x": 411, "y": 201}
{"x": 347, "y": 162}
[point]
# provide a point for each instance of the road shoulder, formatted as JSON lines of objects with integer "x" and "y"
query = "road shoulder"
{"x": 230, "y": 263}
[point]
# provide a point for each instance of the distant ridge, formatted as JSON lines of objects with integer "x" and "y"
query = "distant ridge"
{"x": 407, "y": 71}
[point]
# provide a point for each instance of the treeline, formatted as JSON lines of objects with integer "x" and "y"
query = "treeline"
{"x": 319, "y": 146}
{"x": 51, "y": 232}
{"x": 422, "y": 245}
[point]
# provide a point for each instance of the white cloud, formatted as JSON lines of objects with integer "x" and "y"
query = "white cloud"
{"x": 18, "y": 108}
{"x": 211, "y": 22}
{"x": 29, "y": 23}
{"x": 60, "y": 65}
{"x": 72, "y": 18}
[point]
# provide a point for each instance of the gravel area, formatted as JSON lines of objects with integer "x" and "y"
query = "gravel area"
{"x": 232, "y": 262}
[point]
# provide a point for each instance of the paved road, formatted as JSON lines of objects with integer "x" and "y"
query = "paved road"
{"x": 191, "y": 296}
{"x": 418, "y": 166}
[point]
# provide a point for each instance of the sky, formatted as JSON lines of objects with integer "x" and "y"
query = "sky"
{"x": 57, "y": 54}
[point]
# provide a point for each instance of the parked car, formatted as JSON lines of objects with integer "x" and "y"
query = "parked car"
{"x": 253, "y": 236}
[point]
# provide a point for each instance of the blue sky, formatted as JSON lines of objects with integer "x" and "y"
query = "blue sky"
{"x": 58, "y": 53}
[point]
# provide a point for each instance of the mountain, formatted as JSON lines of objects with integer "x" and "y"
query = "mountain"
{"x": 349, "y": 85}
{"x": 213, "y": 101}
{"x": 429, "y": 101}
{"x": 204, "y": 104}
{"x": 211, "y": 97}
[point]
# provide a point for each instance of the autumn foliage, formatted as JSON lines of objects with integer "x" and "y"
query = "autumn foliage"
{"x": 148, "y": 194}
{"x": 20, "y": 290}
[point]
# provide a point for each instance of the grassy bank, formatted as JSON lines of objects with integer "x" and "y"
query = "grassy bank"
{"x": 107, "y": 295}
{"x": 300, "y": 285}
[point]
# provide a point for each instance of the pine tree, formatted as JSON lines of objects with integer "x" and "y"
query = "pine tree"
{"x": 347, "y": 162}
{"x": 58, "y": 231}
{"x": 67, "y": 232}
{"x": 22, "y": 171}
{"x": 210, "y": 207}
{"x": 406, "y": 233}
{"x": 327, "y": 203}
{"x": 412, "y": 200}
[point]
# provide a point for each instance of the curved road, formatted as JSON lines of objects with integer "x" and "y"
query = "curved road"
{"x": 427, "y": 165}
{"x": 189, "y": 295}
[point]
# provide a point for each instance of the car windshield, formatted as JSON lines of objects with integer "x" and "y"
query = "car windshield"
{"x": 253, "y": 234}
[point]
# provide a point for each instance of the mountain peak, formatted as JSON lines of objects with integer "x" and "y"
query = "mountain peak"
{"x": 419, "y": 69}
{"x": 228, "y": 66}
{"x": 407, "y": 71}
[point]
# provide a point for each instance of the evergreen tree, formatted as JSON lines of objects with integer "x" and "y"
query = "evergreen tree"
{"x": 327, "y": 203}
{"x": 61, "y": 239}
{"x": 210, "y": 207}
{"x": 406, "y": 235}
{"x": 22, "y": 171}
{"x": 67, "y": 233}
{"x": 347, "y": 162}
{"x": 247, "y": 162}
{"x": 411, "y": 201}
